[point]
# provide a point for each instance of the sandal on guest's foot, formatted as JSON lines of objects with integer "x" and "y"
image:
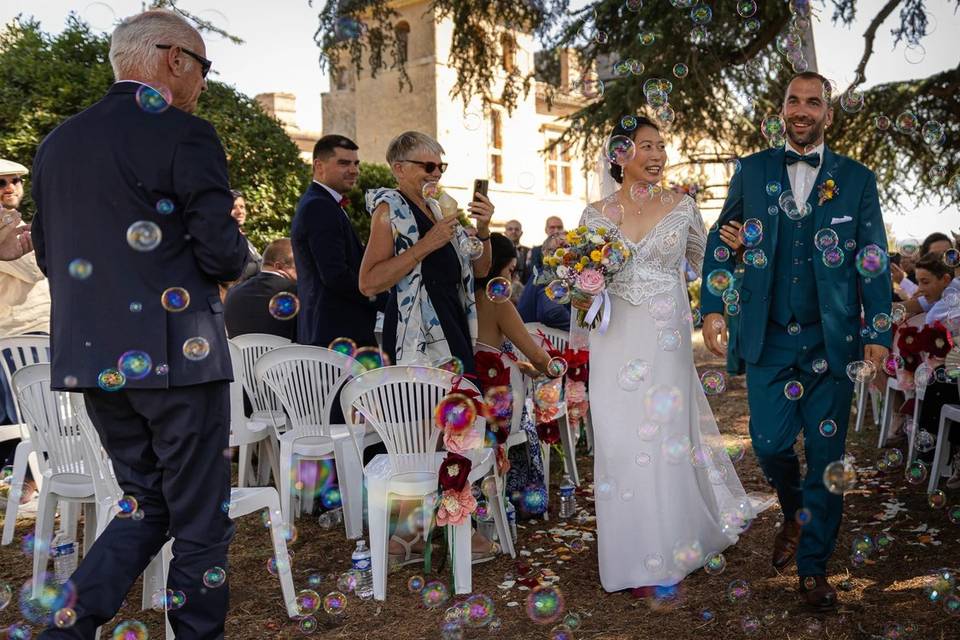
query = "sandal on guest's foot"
{"x": 409, "y": 556}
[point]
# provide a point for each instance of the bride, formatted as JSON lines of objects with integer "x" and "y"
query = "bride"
{"x": 668, "y": 499}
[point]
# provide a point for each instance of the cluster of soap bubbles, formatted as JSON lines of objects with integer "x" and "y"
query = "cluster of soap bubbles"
{"x": 656, "y": 92}
{"x": 790, "y": 42}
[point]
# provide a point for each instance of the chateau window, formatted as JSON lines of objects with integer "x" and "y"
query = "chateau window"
{"x": 559, "y": 169}
{"x": 496, "y": 145}
{"x": 508, "y": 47}
{"x": 402, "y": 34}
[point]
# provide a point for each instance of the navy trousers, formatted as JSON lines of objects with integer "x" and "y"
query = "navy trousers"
{"x": 776, "y": 422}
{"x": 167, "y": 448}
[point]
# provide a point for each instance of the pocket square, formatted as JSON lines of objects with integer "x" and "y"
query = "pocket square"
{"x": 841, "y": 219}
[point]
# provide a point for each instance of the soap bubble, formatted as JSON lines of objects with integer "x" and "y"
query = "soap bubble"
{"x": 839, "y": 476}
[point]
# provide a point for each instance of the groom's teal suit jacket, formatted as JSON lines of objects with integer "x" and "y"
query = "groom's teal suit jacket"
{"x": 843, "y": 293}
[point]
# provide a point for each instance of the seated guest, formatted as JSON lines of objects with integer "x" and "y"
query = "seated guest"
{"x": 933, "y": 279}
{"x": 534, "y": 305}
{"x": 239, "y": 213}
{"x": 937, "y": 243}
{"x": 247, "y": 309}
{"x": 552, "y": 226}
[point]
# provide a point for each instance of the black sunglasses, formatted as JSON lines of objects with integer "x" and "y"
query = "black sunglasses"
{"x": 204, "y": 63}
{"x": 4, "y": 182}
{"x": 430, "y": 167}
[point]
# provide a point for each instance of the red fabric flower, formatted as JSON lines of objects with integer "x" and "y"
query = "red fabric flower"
{"x": 936, "y": 340}
{"x": 549, "y": 432}
{"x": 577, "y": 364}
{"x": 454, "y": 471}
{"x": 908, "y": 341}
{"x": 491, "y": 372}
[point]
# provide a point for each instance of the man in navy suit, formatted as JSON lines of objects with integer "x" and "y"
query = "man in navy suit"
{"x": 327, "y": 252}
{"x": 247, "y": 307}
{"x": 133, "y": 229}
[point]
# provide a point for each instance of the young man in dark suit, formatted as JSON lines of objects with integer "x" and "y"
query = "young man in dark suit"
{"x": 247, "y": 307}
{"x": 133, "y": 229}
{"x": 327, "y": 252}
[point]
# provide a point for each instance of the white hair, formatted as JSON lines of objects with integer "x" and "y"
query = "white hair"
{"x": 408, "y": 143}
{"x": 133, "y": 45}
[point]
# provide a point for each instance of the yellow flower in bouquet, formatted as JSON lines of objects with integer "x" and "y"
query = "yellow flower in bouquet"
{"x": 596, "y": 256}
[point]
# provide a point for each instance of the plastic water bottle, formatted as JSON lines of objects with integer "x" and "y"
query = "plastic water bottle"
{"x": 511, "y": 520}
{"x": 568, "y": 501}
{"x": 63, "y": 549}
{"x": 362, "y": 570}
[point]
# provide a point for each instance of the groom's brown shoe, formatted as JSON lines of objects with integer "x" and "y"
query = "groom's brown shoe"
{"x": 818, "y": 593}
{"x": 785, "y": 544}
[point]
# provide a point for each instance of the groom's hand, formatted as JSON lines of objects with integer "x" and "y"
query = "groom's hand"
{"x": 715, "y": 334}
{"x": 877, "y": 354}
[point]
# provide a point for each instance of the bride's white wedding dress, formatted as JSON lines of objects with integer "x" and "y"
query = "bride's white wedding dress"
{"x": 667, "y": 495}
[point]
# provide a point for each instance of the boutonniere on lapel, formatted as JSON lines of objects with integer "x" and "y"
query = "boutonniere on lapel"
{"x": 828, "y": 190}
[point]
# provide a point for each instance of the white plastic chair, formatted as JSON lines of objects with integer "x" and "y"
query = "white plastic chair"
{"x": 865, "y": 392}
{"x": 399, "y": 403}
{"x": 886, "y": 415}
{"x": 266, "y": 407}
{"x": 17, "y": 352}
{"x": 919, "y": 390}
{"x": 941, "y": 456}
{"x": 55, "y": 434}
{"x": 245, "y": 433}
{"x": 306, "y": 380}
{"x": 560, "y": 340}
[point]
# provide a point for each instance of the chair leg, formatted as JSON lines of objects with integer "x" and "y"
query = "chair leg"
{"x": 283, "y": 562}
{"x": 23, "y": 451}
{"x": 874, "y": 396}
{"x": 350, "y": 481}
{"x": 286, "y": 465}
{"x": 462, "y": 557}
{"x": 155, "y": 578}
{"x": 271, "y": 454}
{"x": 861, "y": 406}
{"x": 886, "y": 415}
{"x": 69, "y": 515}
{"x": 500, "y": 519}
{"x": 89, "y": 526}
{"x": 939, "y": 455}
{"x": 378, "y": 508}
{"x": 912, "y": 435}
{"x": 569, "y": 450}
{"x": 244, "y": 461}
{"x": 588, "y": 427}
{"x": 42, "y": 537}
{"x": 545, "y": 454}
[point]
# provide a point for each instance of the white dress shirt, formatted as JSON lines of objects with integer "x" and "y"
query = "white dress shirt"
{"x": 336, "y": 196}
{"x": 802, "y": 176}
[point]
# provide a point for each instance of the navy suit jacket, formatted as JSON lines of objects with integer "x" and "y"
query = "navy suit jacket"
{"x": 327, "y": 253}
{"x": 843, "y": 293}
{"x": 247, "y": 307}
{"x": 94, "y": 176}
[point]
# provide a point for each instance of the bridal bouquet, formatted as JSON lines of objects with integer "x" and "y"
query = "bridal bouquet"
{"x": 579, "y": 272}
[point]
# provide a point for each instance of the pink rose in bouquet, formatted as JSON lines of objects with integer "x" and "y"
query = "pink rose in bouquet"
{"x": 455, "y": 506}
{"x": 591, "y": 282}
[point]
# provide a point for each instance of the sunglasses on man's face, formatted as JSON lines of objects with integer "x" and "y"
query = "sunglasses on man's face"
{"x": 429, "y": 167}
{"x": 14, "y": 181}
{"x": 204, "y": 63}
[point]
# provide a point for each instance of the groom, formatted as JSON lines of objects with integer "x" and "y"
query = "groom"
{"x": 803, "y": 310}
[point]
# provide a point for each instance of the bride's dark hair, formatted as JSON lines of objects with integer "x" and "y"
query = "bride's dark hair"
{"x": 616, "y": 171}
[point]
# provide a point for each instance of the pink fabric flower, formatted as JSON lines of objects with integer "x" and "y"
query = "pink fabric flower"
{"x": 591, "y": 282}
{"x": 460, "y": 442}
{"x": 455, "y": 506}
{"x": 576, "y": 392}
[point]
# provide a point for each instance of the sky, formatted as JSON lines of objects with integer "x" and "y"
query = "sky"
{"x": 279, "y": 54}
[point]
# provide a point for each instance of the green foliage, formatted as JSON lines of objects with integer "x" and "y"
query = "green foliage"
{"x": 48, "y": 78}
{"x": 372, "y": 176}
{"x": 737, "y": 75}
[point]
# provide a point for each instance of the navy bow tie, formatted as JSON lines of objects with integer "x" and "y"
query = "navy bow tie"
{"x": 812, "y": 159}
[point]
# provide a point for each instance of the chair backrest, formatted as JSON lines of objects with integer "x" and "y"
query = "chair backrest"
{"x": 252, "y": 346}
{"x": 51, "y": 420}
{"x": 306, "y": 381}
{"x": 17, "y": 352}
{"x": 558, "y": 338}
{"x": 106, "y": 489}
{"x": 399, "y": 403}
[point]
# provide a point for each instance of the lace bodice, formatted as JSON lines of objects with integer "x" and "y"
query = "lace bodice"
{"x": 654, "y": 266}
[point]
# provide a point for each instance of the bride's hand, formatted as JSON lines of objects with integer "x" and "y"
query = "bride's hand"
{"x": 730, "y": 234}
{"x": 715, "y": 333}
